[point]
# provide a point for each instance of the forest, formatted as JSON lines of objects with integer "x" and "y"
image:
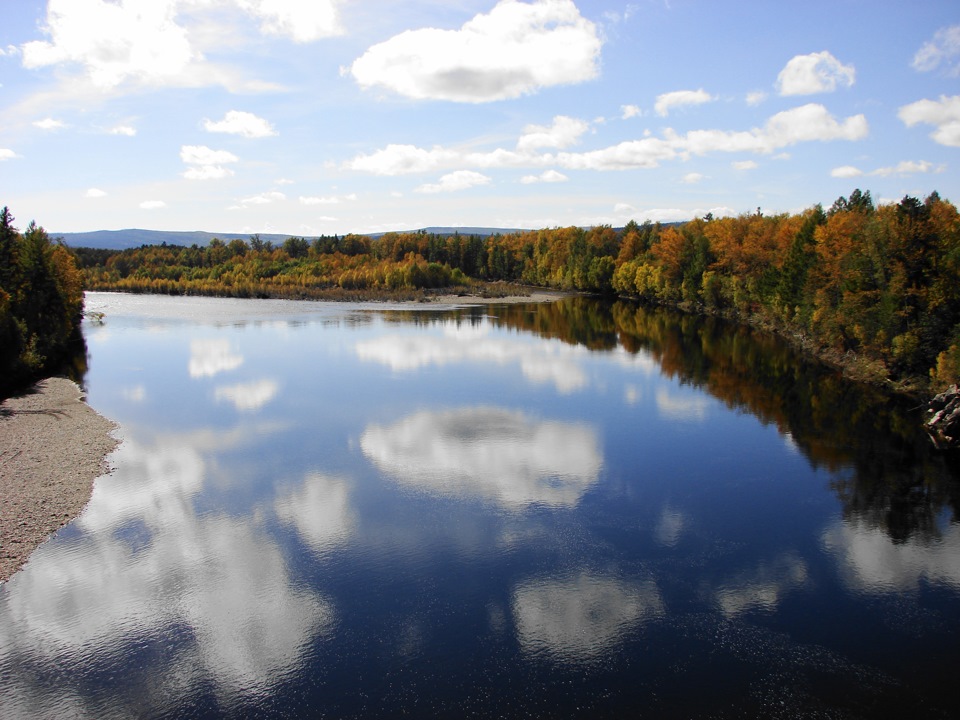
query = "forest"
{"x": 41, "y": 303}
{"x": 871, "y": 287}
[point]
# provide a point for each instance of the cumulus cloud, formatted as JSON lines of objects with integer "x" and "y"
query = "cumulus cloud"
{"x": 564, "y": 132}
{"x": 905, "y": 167}
{"x": 152, "y": 205}
{"x": 943, "y": 114}
{"x": 49, "y": 124}
{"x": 95, "y": 193}
{"x": 756, "y": 97}
{"x": 515, "y": 49}
{"x": 547, "y": 176}
{"x": 237, "y": 122}
{"x": 455, "y": 181}
{"x": 680, "y": 98}
{"x": 150, "y": 42}
{"x": 814, "y": 73}
{"x": 113, "y": 41}
{"x": 846, "y": 171}
{"x": 807, "y": 123}
{"x": 206, "y": 164}
{"x": 125, "y": 130}
{"x": 264, "y": 198}
{"x": 943, "y": 49}
{"x": 745, "y": 165}
{"x": 629, "y": 111}
{"x": 692, "y": 178}
{"x": 300, "y": 21}
{"x": 7, "y": 154}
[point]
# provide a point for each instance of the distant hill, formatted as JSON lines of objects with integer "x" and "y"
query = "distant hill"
{"x": 122, "y": 239}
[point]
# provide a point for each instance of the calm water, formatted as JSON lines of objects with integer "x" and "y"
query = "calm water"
{"x": 569, "y": 510}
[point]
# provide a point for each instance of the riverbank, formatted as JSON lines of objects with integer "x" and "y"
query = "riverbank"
{"x": 52, "y": 447}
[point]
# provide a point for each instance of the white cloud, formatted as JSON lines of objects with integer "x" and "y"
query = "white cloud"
{"x": 846, "y": 171}
{"x": 680, "y": 98}
{"x": 745, "y": 165}
{"x": 264, "y": 198}
{"x": 114, "y": 42}
{"x": 9, "y": 51}
{"x": 692, "y": 178}
{"x": 126, "y": 130}
{"x": 943, "y": 49}
{"x": 547, "y": 176}
{"x": 207, "y": 172}
{"x": 807, "y": 123}
{"x": 906, "y": 167}
{"x": 629, "y": 111}
{"x": 300, "y": 21}
{"x": 319, "y": 200}
{"x": 153, "y": 205}
{"x": 7, "y": 154}
{"x": 515, "y": 49}
{"x": 49, "y": 124}
{"x": 95, "y": 193}
{"x": 764, "y": 588}
{"x": 943, "y": 114}
{"x": 403, "y": 159}
{"x": 238, "y": 122}
{"x": 152, "y": 43}
{"x": 202, "y": 155}
{"x": 206, "y": 164}
{"x": 564, "y": 132}
{"x": 814, "y": 73}
{"x": 452, "y": 182}
{"x": 756, "y": 97}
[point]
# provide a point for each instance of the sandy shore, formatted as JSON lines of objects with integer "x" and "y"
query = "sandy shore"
{"x": 52, "y": 447}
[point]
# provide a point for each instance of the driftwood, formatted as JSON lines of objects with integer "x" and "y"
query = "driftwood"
{"x": 943, "y": 423}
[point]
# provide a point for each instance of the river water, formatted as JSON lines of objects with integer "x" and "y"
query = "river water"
{"x": 566, "y": 510}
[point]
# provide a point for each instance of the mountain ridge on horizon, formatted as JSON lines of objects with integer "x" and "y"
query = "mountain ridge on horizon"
{"x": 135, "y": 237}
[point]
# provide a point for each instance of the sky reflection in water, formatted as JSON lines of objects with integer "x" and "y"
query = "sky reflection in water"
{"x": 327, "y": 507}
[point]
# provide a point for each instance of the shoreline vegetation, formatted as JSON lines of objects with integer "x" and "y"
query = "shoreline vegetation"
{"x": 870, "y": 289}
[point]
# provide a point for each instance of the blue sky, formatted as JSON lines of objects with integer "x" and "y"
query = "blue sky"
{"x": 337, "y": 116}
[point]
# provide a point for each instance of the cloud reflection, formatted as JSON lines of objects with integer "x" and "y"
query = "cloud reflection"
{"x": 319, "y": 510}
{"x": 488, "y": 453}
{"x": 870, "y": 561}
{"x": 764, "y": 588}
{"x": 247, "y": 396}
{"x": 692, "y": 408}
{"x": 211, "y": 357}
{"x": 581, "y": 618}
{"x": 541, "y": 362}
{"x": 146, "y": 566}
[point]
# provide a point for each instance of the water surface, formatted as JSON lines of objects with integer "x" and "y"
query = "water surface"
{"x": 564, "y": 510}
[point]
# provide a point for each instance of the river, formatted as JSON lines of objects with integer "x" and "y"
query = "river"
{"x": 571, "y": 509}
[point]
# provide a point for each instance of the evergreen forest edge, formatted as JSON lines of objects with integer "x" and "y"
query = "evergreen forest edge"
{"x": 873, "y": 289}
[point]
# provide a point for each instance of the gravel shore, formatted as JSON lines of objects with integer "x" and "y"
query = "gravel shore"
{"x": 52, "y": 447}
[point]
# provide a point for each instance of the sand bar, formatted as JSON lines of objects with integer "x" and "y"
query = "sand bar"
{"x": 52, "y": 447}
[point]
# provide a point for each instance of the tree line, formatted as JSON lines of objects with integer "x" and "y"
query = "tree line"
{"x": 41, "y": 303}
{"x": 875, "y": 286}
